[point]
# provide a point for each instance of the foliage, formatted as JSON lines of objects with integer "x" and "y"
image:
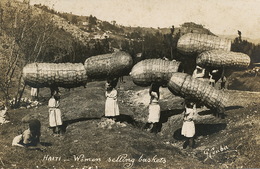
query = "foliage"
{"x": 31, "y": 36}
{"x": 243, "y": 46}
{"x": 106, "y": 26}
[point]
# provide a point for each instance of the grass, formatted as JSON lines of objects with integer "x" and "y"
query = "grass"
{"x": 126, "y": 144}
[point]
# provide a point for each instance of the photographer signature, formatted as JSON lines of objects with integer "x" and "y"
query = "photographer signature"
{"x": 211, "y": 152}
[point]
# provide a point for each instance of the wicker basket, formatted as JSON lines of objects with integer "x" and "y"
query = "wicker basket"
{"x": 108, "y": 65}
{"x": 182, "y": 84}
{"x": 67, "y": 75}
{"x": 194, "y": 43}
{"x": 154, "y": 70}
{"x": 220, "y": 58}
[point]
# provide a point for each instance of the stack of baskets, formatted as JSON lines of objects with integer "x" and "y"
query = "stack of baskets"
{"x": 182, "y": 84}
{"x": 194, "y": 43}
{"x": 67, "y": 75}
{"x": 220, "y": 58}
{"x": 154, "y": 70}
{"x": 108, "y": 65}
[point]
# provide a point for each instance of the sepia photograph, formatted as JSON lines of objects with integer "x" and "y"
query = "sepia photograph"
{"x": 129, "y": 84}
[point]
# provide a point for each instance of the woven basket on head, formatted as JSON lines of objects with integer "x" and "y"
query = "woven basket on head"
{"x": 184, "y": 85}
{"x": 67, "y": 75}
{"x": 154, "y": 70}
{"x": 108, "y": 65}
{"x": 194, "y": 43}
{"x": 220, "y": 58}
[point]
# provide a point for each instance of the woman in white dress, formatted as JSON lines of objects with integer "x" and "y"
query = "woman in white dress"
{"x": 55, "y": 119}
{"x": 154, "y": 109}
{"x": 111, "y": 105}
{"x": 188, "y": 127}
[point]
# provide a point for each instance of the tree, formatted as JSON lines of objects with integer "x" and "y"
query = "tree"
{"x": 26, "y": 39}
{"x": 74, "y": 19}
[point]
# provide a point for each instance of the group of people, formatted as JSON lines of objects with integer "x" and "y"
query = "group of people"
{"x": 153, "y": 120}
{"x": 211, "y": 75}
{"x": 112, "y": 108}
{"x": 31, "y": 136}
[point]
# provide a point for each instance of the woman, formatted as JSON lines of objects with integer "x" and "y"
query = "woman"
{"x": 154, "y": 109}
{"x": 30, "y": 137}
{"x": 3, "y": 114}
{"x": 34, "y": 93}
{"x": 55, "y": 119}
{"x": 188, "y": 127}
{"x": 111, "y": 105}
{"x": 199, "y": 72}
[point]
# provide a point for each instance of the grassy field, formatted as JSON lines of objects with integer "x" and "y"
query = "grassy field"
{"x": 91, "y": 141}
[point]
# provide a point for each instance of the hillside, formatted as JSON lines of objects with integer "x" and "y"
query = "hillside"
{"x": 232, "y": 142}
{"x": 255, "y": 41}
{"x": 89, "y": 139}
{"x": 98, "y": 29}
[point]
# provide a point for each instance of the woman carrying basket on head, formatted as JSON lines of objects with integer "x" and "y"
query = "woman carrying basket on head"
{"x": 55, "y": 118}
{"x": 111, "y": 105}
{"x": 154, "y": 109}
{"x": 188, "y": 127}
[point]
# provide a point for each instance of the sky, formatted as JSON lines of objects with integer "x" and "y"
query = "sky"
{"x": 222, "y": 17}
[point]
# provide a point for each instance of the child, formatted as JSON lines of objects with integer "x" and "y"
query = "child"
{"x": 3, "y": 114}
{"x": 111, "y": 105}
{"x": 30, "y": 138}
{"x": 55, "y": 119}
{"x": 188, "y": 127}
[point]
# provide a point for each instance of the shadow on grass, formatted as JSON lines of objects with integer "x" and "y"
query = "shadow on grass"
{"x": 166, "y": 114}
{"x": 121, "y": 118}
{"x": 233, "y": 107}
{"x": 68, "y": 122}
{"x": 202, "y": 130}
{"x": 45, "y": 144}
{"x": 129, "y": 119}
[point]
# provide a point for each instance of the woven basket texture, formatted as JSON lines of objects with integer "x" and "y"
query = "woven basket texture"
{"x": 184, "y": 85}
{"x": 67, "y": 75}
{"x": 194, "y": 43}
{"x": 108, "y": 65}
{"x": 220, "y": 58}
{"x": 153, "y": 70}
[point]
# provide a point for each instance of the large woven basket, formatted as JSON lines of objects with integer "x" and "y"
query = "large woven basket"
{"x": 194, "y": 43}
{"x": 67, "y": 75}
{"x": 108, "y": 65}
{"x": 220, "y": 58}
{"x": 154, "y": 70}
{"x": 182, "y": 84}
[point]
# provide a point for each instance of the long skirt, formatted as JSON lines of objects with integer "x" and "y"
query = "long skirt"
{"x": 154, "y": 113}
{"x": 111, "y": 108}
{"x": 188, "y": 129}
{"x": 55, "y": 117}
